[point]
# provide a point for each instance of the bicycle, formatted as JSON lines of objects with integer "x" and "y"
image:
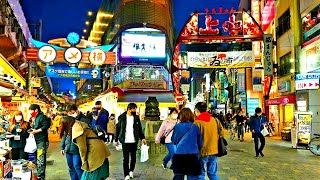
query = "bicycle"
{"x": 314, "y": 145}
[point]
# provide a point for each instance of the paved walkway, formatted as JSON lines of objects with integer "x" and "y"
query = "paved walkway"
{"x": 280, "y": 162}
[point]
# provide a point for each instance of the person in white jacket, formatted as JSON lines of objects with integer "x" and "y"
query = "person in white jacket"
{"x": 166, "y": 130}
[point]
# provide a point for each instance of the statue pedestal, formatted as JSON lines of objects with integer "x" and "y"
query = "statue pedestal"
{"x": 152, "y": 128}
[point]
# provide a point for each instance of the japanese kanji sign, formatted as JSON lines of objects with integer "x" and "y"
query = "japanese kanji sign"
{"x": 268, "y": 60}
{"x": 73, "y": 72}
{"x": 97, "y": 57}
{"x": 47, "y": 54}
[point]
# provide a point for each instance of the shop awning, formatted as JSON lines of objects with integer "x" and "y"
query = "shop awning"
{"x": 164, "y": 99}
{"x": 7, "y": 68}
{"x": 290, "y": 99}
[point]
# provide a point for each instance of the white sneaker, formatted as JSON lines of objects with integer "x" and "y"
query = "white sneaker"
{"x": 131, "y": 174}
{"x": 127, "y": 178}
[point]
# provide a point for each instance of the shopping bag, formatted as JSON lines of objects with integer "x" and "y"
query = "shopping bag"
{"x": 119, "y": 147}
{"x": 264, "y": 131}
{"x": 31, "y": 145}
{"x": 144, "y": 153}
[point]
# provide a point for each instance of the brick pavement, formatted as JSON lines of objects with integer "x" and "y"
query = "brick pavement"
{"x": 281, "y": 162}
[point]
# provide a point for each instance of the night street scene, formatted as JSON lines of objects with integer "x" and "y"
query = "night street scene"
{"x": 160, "y": 89}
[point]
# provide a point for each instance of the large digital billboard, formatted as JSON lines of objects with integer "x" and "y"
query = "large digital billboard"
{"x": 143, "y": 46}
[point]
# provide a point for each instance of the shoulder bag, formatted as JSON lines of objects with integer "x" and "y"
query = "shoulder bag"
{"x": 165, "y": 135}
{"x": 222, "y": 143}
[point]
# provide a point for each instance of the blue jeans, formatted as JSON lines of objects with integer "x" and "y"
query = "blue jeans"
{"x": 172, "y": 149}
{"x": 209, "y": 163}
{"x": 181, "y": 177}
{"x": 74, "y": 164}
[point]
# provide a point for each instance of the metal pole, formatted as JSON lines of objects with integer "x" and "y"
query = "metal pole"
{"x": 40, "y": 30}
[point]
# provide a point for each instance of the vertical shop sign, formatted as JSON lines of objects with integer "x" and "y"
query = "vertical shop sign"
{"x": 253, "y": 103}
{"x": 257, "y": 79}
{"x": 267, "y": 54}
{"x": 241, "y": 80}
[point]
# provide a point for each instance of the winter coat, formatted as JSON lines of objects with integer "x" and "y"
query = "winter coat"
{"x": 111, "y": 126}
{"x": 23, "y": 137}
{"x": 68, "y": 146}
{"x": 41, "y": 122}
{"x": 256, "y": 123}
{"x": 121, "y": 128}
{"x": 166, "y": 129}
{"x": 191, "y": 143}
{"x": 93, "y": 151}
{"x": 102, "y": 121}
{"x": 209, "y": 130}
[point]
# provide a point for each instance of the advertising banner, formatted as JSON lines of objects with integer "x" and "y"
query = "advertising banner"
{"x": 252, "y": 104}
{"x": 310, "y": 57}
{"x": 231, "y": 59}
{"x": 241, "y": 80}
{"x": 257, "y": 79}
{"x": 143, "y": 84}
{"x": 267, "y": 54}
{"x": 73, "y": 72}
{"x": 307, "y": 81}
{"x": 304, "y": 126}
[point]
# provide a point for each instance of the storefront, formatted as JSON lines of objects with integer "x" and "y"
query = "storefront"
{"x": 281, "y": 112}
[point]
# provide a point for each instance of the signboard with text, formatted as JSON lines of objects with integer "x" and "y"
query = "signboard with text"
{"x": 252, "y": 104}
{"x": 229, "y": 59}
{"x": 257, "y": 80}
{"x": 241, "y": 80}
{"x": 143, "y": 84}
{"x": 304, "y": 126}
{"x": 307, "y": 81}
{"x": 267, "y": 54}
{"x": 73, "y": 72}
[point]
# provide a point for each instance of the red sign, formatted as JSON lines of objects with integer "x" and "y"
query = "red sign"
{"x": 291, "y": 99}
{"x": 268, "y": 14}
{"x": 179, "y": 97}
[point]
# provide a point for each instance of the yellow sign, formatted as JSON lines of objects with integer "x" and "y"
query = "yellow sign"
{"x": 143, "y": 84}
{"x": 143, "y": 104}
{"x": 35, "y": 82}
{"x": 97, "y": 57}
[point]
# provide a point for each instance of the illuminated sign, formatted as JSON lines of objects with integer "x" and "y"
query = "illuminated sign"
{"x": 221, "y": 59}
{"x": 307, "y": 81}
{"x": 97, "y": 57}
{"x": 73, "y": 72}
{"x": 267, "y": 54}
{"x": 47, "y": 54}
{"x": 72, "y": 55}
{"x": 310, "y": 57}
{"x": 73, "y": 38}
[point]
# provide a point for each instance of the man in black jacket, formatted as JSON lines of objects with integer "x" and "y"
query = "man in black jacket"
{"x": 128, "y": 132}
{"x": 40, "y": 132}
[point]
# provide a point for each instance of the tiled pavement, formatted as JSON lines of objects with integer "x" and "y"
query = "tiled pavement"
{"x": 280, "y": 162}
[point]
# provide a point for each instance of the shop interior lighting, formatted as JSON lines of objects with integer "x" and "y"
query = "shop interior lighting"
{"x": 291, "y": 70}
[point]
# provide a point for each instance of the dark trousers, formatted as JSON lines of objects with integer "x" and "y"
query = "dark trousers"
{"x": 41, "y": 159}
{"x": 129, "y": 149}
{"x": 74, "y": 165}
{"x": 18, "y": 153}
{"x": 112, "y": 137}
{"x": 240, "y": 132}
{"x": 256, "y": 137}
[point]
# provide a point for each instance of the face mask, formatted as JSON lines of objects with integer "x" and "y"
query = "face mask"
{"x": 174, "y": 116}
{"x": 98, "y": 108}
{"x": 34, "y": 114}
{"x": 134, "y": 113}
{"x": 18, "y": 118}
{"x": 74, "y": 115}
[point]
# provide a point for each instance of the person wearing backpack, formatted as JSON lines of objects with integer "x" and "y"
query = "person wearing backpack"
{"x": 40, "y": 132}
{"x": 67, "y": 147}
{"x": 166, "y": 131}
{"x": 94, "y": 152}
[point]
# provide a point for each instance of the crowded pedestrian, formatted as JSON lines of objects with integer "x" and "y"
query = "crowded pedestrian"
{"x": 166, "y": 131}
{"x": 94, "y": 152}
{"x": 41, "y": 124}
{"x": 188, "y": 141}
{"x": 128, "y": 132}
{"x": 68, "y": 148}
{"x": 19, "y": 129}
{"x": 240, "y": 118}
{"x": 209, "y": 131}
{"x": 56, "y": 123}
{"x": 100, "y": 116}
{"x": 257, "y": 123}
{"x": 111, "y": 128}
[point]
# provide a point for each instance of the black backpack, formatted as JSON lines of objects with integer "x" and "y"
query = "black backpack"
{"x": 101, "y": 134}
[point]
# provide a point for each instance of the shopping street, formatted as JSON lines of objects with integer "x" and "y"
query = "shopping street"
{"x": 280, "y": 162}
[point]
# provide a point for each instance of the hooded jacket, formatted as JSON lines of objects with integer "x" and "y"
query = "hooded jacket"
{"x": 93, "y": 151}
{"x": 209, "y": 130}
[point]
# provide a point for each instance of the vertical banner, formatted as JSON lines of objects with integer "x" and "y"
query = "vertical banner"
{"x": 256, "y": 79}
{"x": 241, "y": 80}
{"x": 267, "y": 54}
